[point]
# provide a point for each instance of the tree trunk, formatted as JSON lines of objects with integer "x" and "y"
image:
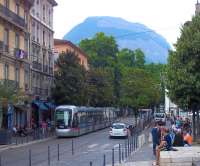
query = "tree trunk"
{"x": 198, "y": 129}
{"x": 193, "y": 125}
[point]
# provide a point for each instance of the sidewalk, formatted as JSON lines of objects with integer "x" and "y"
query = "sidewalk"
{"x": 25, "y": 143}
{"x": 142, "y": 157}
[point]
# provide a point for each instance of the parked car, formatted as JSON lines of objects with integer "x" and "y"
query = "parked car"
{"x": 118, "y": 130}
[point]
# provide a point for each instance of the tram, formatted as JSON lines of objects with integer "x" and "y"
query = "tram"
{"x": 75, "y": 121}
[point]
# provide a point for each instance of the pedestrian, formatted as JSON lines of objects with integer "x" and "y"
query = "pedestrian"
{"x": 187, "y": 137}
{"x": 156, "y": 135}
{"x": 166, "y": 144}
{"x": 178, "y": 139}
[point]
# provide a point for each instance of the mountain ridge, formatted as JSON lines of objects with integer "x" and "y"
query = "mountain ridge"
{"x": 128, "y": 35}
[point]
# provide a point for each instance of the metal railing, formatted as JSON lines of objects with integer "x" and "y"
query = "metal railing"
{"x": 37, "y": 65}
{"x": 40, "y": 91}
{"x": 9, "y": 15}
{"x": 10, "y": 83}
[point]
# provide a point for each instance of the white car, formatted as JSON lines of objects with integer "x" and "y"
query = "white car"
{"x": 118, "y": 130}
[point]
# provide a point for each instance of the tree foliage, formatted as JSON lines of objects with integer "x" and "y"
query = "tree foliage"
{"x": 183, "y": 69}
{"x": 69, "y": 80}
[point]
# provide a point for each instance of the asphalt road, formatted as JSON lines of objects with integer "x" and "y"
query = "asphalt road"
{"x": 90, "y": 147}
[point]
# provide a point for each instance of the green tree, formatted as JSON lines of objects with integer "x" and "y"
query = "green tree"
{"x": 126, "y": 58}
{"x": 139, "y": 90}
{"x": 183, "y": 69}
{"x": 139, "y": 58}
{"x": 70, "y": 79}
{"x": 101, "y": 50}
{"x": 100, "y": 87}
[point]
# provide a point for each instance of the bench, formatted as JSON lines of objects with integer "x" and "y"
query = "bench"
{"x": 185, "y": 156}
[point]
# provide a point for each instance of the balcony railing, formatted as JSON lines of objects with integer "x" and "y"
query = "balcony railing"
{"x": 37, "y": 65}
{"x": 11, "y": 16}
{"x": 40, "y": 91}
{"x": 51, "y": 70}
{"x": 45, "y": 68}
{"x": 10, "y": 83}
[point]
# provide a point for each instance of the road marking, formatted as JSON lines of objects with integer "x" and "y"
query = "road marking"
{"x": 92, "y": 146}
{"x": 105, "y": 146}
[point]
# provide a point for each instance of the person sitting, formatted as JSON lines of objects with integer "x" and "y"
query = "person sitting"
{"x": 187, "y": 139}
{"x": 166, "y": 144}
{"x": 178, "y": 139}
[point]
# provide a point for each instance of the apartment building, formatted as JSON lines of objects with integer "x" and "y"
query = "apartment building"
{"x": 14, "y": 42}
{"x": 65, "y": 45}
{"x": 14, "y": 55}
{"x": 41, "y": 53}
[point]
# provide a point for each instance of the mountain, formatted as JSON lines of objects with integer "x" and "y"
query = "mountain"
{"x": 127, "y": 34}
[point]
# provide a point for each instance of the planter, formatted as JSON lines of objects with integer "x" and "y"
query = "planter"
{"x": 5, "y": 137}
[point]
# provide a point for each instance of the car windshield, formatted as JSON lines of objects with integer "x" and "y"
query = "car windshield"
{"x": 159, "y": 115}
{"x": 118, "y": 126}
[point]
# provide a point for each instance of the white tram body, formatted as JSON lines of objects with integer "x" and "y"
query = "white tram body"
{"x": 75, "y": 121}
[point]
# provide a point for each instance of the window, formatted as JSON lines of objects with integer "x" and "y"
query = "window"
{"x": 38, "y": 33}
{"x": 26, "y": 79}
{"x": 17, "y": 8}
{"x": 17, "y": 74}
{"x": 50, "y": 16}
{"x": 25, "y": 16}
{"x": 26, "y": 44}
{"x": 43, "y": 12}
{"x": 6, "y": 39}
{"x": 43, "y": 36}
{"x": 6, "y": 3}
{"x": 16, "y": 40}
{"x": 6, "y": 71}
{"x": 49, "y": 40}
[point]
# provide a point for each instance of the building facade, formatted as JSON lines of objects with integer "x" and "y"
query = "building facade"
{"x": 64, "y": 45}
{"x": 14, "y": 54}
{"x": 41, "y": 53}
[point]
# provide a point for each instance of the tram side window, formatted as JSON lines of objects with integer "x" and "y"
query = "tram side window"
{"x": 75, "y": 122}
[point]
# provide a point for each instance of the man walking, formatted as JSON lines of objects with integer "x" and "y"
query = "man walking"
{"x": 156, "y": 135}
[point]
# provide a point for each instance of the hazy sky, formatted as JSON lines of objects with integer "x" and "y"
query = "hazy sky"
{"x": 163, "y": 16}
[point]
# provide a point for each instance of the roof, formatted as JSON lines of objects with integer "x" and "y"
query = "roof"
{"x": 69, "y": 43}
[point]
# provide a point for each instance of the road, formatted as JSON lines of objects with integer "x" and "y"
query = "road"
{"x": 90, "y": 147}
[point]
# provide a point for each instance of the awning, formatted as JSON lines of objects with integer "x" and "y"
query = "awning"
{"x": 41, "y": 106}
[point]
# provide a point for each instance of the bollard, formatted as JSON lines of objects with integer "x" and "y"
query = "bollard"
{"x": 120, "y": 153}
{"x": 30, "y": 157}
{"x": 72, "y": 147}
{"x": 0, "y": 161}
{"x": 125, "y": 150}
{"x": 104, "y": 160}
{"x": 90, "y": 163}
{"x": 58, "y": 152}
{"x": 113, "y": 157}
{"x": 48, "y": 156}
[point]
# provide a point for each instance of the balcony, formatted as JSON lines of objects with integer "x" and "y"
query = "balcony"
{"x": 12, "y": 17}
{"x": 45, "y": 68}
{"x": 51, "y": 70}
{"x": 20, "y": 54}
{"x": 40, "y": 91}
{"x": 37, "y": 65}
{"x": 12, "y": 84}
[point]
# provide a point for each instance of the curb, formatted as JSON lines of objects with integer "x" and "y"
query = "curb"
{"x": 13, "y": 146}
